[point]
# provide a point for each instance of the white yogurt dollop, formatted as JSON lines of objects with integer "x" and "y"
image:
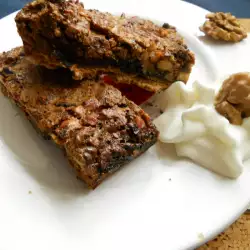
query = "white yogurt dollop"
{"x": 191, "y": 122}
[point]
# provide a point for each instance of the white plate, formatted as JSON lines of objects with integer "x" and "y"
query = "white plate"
{"x": 156, "y": 202}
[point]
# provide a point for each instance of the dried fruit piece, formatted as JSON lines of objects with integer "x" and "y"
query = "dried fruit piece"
{"x": 223, "y": 26}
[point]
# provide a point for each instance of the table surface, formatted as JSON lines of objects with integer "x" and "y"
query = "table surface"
{"x": 239, "y": 8}
{"x": 237, "y": 236}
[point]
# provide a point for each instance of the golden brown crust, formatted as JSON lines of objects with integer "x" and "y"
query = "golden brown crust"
{"x": 223, "y": 26}
{"x": 79, "y": 72}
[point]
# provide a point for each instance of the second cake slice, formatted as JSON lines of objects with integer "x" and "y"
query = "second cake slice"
{"x": 99, "y": 129}
{"x": 60, "y": 33}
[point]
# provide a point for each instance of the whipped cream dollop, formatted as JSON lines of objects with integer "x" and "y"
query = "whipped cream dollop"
{"x": 199, "y": 132}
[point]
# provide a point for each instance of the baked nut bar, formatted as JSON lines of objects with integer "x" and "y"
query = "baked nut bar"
{"x": 61, "y": 33}
{"x": 99, "y": 129}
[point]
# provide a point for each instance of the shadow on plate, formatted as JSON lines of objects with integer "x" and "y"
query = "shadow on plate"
{"x": 166, "y": 152}
{"x": 40, "y": 158}
{"x": 210, "y": 41}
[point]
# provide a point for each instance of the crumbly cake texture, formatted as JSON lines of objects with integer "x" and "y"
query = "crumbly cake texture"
{"x": 98, "y": 128}
{"x": 60, "y": 33}
{"x": 223, "y": 26}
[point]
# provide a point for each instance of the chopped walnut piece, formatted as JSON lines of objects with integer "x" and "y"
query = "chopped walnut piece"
{"x": 233, "y": 99}
{"x": 230, "y": 112}
{"x": 223, "y": 26}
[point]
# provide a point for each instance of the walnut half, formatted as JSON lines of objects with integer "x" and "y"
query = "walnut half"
{"x": 223, "y": 26}
{"x": 233, "y": 99}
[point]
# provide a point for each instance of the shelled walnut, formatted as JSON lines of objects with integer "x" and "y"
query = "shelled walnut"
{"x": 233, "y": 99}
{"x": 223, "y": 26}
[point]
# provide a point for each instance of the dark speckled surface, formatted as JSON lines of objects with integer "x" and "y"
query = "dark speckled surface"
{"x": 240, "y": 8}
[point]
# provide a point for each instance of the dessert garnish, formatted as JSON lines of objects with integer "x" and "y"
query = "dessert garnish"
{"x": 233, "y": 99}
{"x": 199, "y": 132}
{"x": 223, "y": 26}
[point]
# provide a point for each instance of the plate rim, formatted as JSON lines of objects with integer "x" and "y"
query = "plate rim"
{"x": 235, "y": 216}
